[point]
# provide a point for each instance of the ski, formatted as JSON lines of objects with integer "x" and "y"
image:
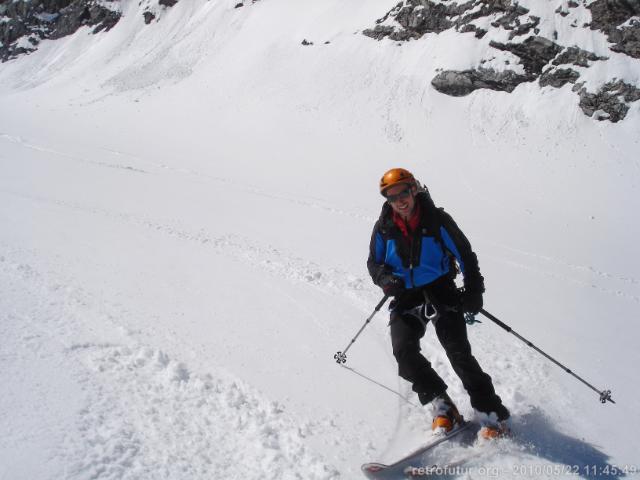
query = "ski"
{"x": 399, "y": 469}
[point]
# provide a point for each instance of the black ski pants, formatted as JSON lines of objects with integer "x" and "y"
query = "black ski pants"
{"x": 407, "y": 328}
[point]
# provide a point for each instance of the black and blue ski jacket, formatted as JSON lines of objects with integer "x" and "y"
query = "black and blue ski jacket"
{"x": 428, "y": 255}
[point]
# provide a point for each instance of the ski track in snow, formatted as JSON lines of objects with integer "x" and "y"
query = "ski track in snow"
{"x": 547, "y": 273}
{"x": 242, "y": 249}
{"x": 279, "y": 263}
{"x": 144, "y": 414}
{"x": 150, "y": 165}
{"x": 26, "y": 144}
{"x": 299, "y": 268}
{"x": 580, "y": 269}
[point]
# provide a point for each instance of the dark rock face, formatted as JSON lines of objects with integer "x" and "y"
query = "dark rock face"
{"x": 534, "y": 52}
{"x": 558, "y": 77}
{"x": 577, "y": 56}
{"x": 424, "y": 17}
{"x": 608, "y": 15}
{"x": 419, "y": 17}
{"x": 381, "y": 31}
{"x": 523, "y": 29}
{"x": 540, "y": 57}
{"x": 25, "y": 23}
{"x": 459, "y": 84}
{"x": 242, "y": 3}
{"x": 416, "y": 17}
{"x": 610, "y": 102}
{"x": 148, "y": 17}
{"x": 627, "y": 39}
{"x": 81, "y": 13}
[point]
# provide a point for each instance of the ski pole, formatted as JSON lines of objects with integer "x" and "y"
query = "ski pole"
{"x": 341, "y": 356}
{"x": 605, "y": 395}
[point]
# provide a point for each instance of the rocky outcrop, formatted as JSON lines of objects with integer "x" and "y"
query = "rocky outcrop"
{"x": 424, "y": 17}
{"x": 611, "y": 102}
{"x": 541, "y": 58}
{"x": 416, "y": 18}
{"x": 81, "y": 13}
{"x": 616, "y": 19}
{"x": 148, "y": 17}
{"x": 577, "y": 56}
{"x": 24, "y": 24}
{"x": 558, "y": 77}
{"x": 534, "y": 53}
{"x": 245, "y": 3}
{"x": 153, "y": 9}
{"x": 608, "y": 14}
{"x": 627, "y": 39}
{"x": 460, "y": 83}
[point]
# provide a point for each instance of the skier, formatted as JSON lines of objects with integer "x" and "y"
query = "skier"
{"x": 412, "y": 257}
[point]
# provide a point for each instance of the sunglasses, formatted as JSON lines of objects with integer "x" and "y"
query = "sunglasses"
{"x": 404, "y": 194}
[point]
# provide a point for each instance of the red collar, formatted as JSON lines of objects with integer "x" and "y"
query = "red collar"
{"x": 411, "y": 224}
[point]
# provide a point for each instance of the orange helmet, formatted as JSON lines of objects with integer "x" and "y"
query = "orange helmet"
{"x": 396, "y": 176}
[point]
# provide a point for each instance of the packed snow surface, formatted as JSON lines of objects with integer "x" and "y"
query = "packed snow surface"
{"x": 185, "y": 214}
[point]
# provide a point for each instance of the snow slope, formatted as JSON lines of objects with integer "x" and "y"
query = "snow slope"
{"x": 185, "y": 213}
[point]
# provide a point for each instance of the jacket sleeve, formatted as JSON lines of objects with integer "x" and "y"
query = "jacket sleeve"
{"x": 375, "y": 262}
{"x": 458, "y": 244}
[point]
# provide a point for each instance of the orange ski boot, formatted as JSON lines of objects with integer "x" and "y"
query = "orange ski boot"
{"x": 492, "y": 429}
{"x": 445, "y": 414}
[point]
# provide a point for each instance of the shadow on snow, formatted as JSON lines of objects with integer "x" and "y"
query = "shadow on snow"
{"x": 539, "y": 437}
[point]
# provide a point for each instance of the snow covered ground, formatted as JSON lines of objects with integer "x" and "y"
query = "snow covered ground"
{"x": 185, "y": 211}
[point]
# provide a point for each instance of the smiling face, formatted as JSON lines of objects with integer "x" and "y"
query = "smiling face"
{"x": 402, "y": 199}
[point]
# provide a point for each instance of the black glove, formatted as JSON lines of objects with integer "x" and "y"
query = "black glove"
{"x": 474, "y": 282}
{"x": 391, "y": 285}
{"x": 472, "y": 302}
